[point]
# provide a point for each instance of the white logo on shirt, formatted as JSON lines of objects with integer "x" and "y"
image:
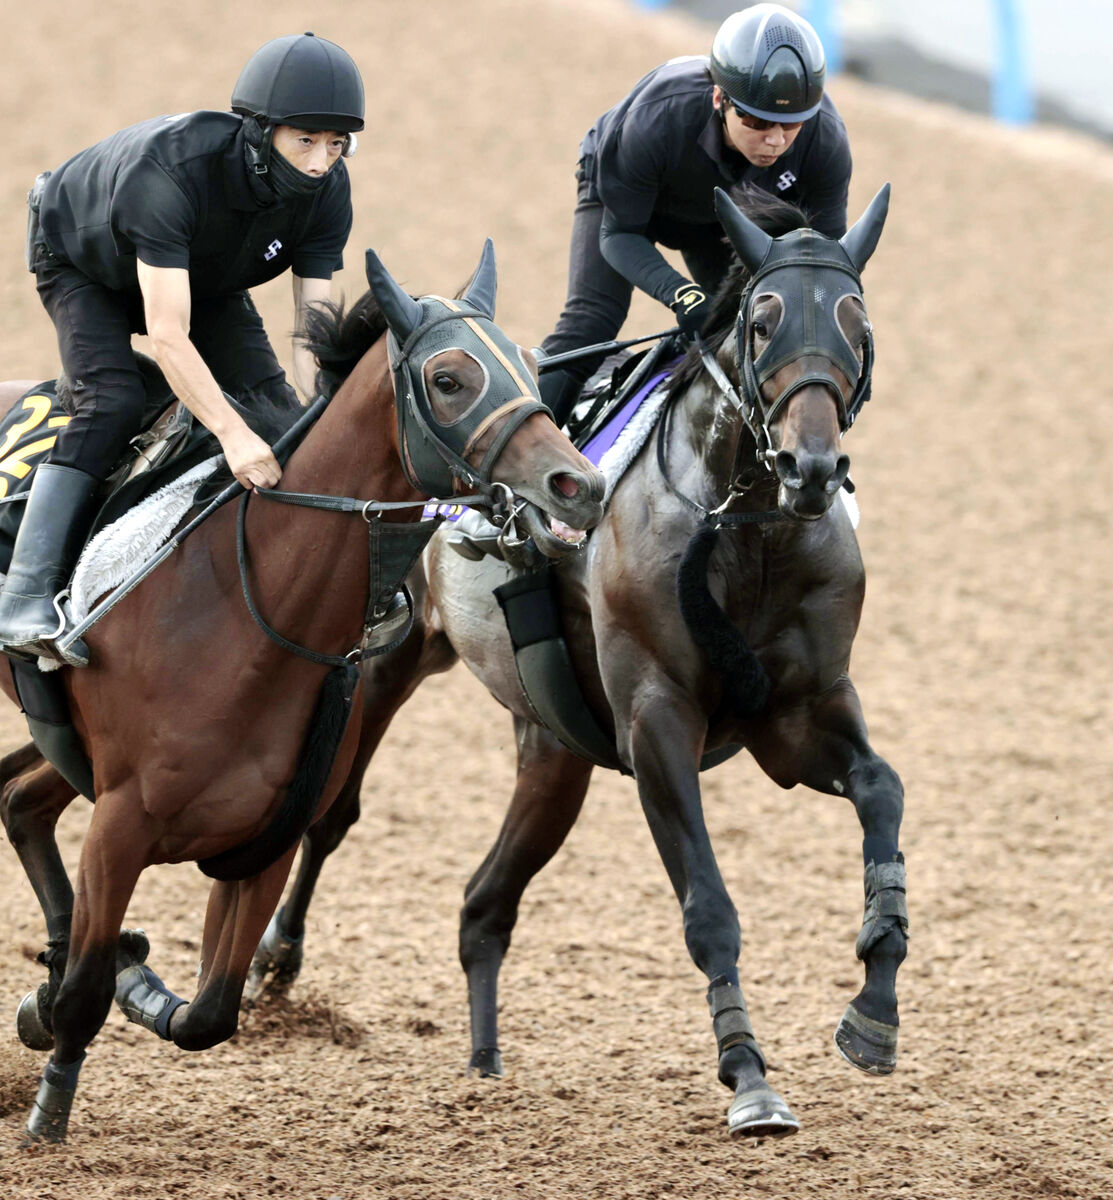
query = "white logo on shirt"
{"x": 273, "y": 249}
{"x": 786, "y": 181}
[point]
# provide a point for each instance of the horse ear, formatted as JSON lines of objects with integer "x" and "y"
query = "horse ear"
{"x": 484, "y": 283}
{"x": 750, "y": 243}
{"x": 402, "y": 312}
{"x": 860, "y": 241}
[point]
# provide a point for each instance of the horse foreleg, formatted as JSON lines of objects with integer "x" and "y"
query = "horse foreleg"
{"x": 824, "y": 745}
{"x": 112, "y": 857}
{"x": 548, "y": 796}
{"x": 32, "y": 797}
{"x": 388, "y": 682}
{"x": 665, "y": 733}
{"x": 235, "y": 919}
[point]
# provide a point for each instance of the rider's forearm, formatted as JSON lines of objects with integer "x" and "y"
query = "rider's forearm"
{"x": 636, "y": 258}
{"x": 305, "y": 370}
{"x": 192, "y": 381}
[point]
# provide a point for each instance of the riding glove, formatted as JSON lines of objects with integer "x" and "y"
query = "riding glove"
{"x": 691, "y": 308}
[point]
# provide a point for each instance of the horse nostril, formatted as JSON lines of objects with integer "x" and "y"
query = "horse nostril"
{"x": 567, "y": 485}
{"x": 788, "y": 470}
{"x": 838, "y": 477}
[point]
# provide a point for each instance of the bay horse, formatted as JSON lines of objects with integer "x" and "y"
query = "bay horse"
{"x": 714, "y": 608}
{"x": 203, "y": 715}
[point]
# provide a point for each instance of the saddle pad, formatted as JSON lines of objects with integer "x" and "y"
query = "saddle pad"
{"x": 124, "y": 546}
{"x": 615, "y": 446}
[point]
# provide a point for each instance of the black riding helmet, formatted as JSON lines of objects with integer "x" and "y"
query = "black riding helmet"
{"x": 770, "y": 63}
{"x": 304, "y": 81}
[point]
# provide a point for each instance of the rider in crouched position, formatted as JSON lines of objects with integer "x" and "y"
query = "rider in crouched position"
{"x": 162, "y": 228}
{"x": 754, "y": 114}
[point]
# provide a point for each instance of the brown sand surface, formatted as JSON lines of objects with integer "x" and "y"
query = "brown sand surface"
{"x": 983, "y": 663}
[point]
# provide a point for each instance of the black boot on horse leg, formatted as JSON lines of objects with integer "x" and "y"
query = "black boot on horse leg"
{"x": 50, "y": 538}
{"x": 867, "y": 1034}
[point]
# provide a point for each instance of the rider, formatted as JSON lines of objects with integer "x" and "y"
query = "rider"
{"x": 162, "y": 228}
{"x": 756, "y": 114}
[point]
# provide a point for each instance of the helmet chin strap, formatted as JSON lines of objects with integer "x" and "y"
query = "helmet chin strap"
{"x": 259, "y": 137}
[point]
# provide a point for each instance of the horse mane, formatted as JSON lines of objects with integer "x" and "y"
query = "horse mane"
{"x": 339, "y": 337}
{"x": 775, "y": 217}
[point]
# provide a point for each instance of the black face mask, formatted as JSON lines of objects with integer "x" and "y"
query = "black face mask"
{"x": 288, "y": 182}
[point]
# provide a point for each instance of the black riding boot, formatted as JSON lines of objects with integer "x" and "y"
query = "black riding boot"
{"x": 559, "y": 391}
{"x": 51, "y": 535}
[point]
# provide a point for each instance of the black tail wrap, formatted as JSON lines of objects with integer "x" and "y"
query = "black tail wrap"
{"x": 745, "y": 684}
{"x": 293, "y": 818}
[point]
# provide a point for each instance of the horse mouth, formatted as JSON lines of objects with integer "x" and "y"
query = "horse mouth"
{"x": 801, "y": 506}
{"x": 553, "y": 537}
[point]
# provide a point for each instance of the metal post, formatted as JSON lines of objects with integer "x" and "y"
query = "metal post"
{"x": 1012, "y": 94}
{"x": 823, "y": 16}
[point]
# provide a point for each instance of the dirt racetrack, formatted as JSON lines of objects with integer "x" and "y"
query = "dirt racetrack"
{"x": 983, "y": 662}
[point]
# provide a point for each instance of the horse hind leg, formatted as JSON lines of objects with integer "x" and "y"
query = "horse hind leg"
{"x": 548, "y": 796}
{"x": 107, "y": 872}
{"x": 32, "y": 797}
{"x": 388, "y": 682}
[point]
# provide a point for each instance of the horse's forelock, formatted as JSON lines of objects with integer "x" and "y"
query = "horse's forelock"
{"x": 773, "y": 216}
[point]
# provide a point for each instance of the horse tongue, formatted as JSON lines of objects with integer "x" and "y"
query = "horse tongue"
{"x": 566, "y": 533}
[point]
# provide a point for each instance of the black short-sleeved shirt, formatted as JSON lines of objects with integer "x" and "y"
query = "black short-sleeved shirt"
{"x": 177, "y": 192}
{"x": 660, "y": 153}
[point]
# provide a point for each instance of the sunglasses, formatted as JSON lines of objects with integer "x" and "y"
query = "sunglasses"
{"x": 757, "y": 123}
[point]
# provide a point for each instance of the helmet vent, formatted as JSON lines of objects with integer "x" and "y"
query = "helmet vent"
{"x": 783, "y": 35}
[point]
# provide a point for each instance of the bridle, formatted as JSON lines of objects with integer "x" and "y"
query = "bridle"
{"x": 434, "y": 455}
{"x": 811, "y": 276}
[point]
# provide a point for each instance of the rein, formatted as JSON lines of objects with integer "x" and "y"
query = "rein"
{"x": 392, "y": 551}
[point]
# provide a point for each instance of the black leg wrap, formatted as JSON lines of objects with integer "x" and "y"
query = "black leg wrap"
{"x": 146, "y": 1000}
{"x": 50, "y": 1114}
{"x": 730, "y": 1019}
{"x": 886, "y": 904}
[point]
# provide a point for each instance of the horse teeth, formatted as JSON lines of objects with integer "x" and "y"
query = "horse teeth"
{"x": 566, "y": 533}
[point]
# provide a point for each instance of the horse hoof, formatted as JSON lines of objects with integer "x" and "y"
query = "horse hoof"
{"x": 276, "y": 964}
{"x": 760, "y": 1112}
{"x": 30, "y": 1020}
{"x": 487, "y": 1064}
{"x": 132, "y": 949}
{"x": 869, "y": 1045}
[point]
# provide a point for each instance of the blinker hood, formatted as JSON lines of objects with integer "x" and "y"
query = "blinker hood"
{"x": 434, "y": 454}
{"x": 811, "y": 275}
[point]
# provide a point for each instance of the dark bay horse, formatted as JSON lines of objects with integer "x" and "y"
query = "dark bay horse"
{"x": 200, "y": 726}
{"x": 714, "y": 607}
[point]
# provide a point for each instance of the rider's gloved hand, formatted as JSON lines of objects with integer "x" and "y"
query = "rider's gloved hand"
{"x": 691, "y": 308}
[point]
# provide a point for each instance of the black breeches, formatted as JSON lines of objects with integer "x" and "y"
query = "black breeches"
{"x": 95, "y": 326}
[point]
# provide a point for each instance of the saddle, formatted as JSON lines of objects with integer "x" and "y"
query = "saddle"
{"x": 170, "y": 442}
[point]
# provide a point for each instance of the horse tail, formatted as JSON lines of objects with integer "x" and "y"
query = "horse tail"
{"x": 296, "y": 812}
{"x": 745, "y": 683}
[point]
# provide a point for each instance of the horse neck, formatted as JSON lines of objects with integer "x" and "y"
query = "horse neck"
{"x": 310, "y": 567}
{"x": 707, "y": 436}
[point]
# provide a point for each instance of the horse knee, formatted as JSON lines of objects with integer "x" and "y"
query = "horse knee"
{"x": 485, "y": 931}
{"x": 711, "y": 931}
{"x": 878, "y": 793}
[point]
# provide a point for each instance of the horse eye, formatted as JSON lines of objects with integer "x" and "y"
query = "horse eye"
{"x": 445, "y": 383}
{"x": 760, "y": 329}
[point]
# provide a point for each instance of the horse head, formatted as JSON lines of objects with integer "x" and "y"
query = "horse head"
{"x": 470, "y": 413}
{"x": 804, "y": 348}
